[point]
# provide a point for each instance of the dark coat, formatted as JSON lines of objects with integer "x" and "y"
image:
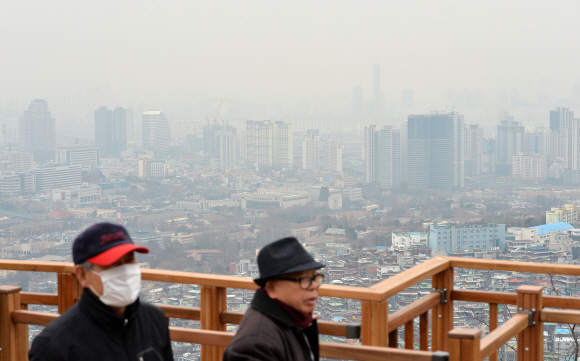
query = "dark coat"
{"x": 91, "y": 331}
{"x": 268, "y": 333}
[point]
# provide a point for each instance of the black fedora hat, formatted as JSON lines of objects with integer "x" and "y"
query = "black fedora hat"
{"x": 282, "y": 257}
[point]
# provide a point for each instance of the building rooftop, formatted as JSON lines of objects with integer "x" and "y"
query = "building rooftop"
{"x": 552, "y": 227}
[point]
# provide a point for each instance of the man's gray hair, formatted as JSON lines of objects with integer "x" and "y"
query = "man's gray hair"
{"x": 87, "y": 265}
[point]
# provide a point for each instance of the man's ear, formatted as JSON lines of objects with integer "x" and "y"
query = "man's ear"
{"x": 270, "y": 288}
{"x": 81, "y": 274}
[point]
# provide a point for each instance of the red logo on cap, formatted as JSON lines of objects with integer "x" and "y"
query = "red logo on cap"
{"x": 106, "y": 238}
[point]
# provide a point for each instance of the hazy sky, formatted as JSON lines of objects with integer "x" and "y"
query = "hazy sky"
{"x": 272, "y": 51}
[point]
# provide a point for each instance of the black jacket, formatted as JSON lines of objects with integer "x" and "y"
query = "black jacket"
{"x": 91, "y": 331}
{"x": 268, "y": 333}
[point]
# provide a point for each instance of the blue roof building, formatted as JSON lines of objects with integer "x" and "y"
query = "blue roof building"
{"x": 552, "y": 227}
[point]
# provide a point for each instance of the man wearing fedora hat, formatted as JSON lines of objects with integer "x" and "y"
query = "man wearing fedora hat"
{"x": 279, "y": 324}
{"x": 109, "y": 322}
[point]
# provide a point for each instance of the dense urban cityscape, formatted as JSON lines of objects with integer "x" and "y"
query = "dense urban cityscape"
{"x": 382, "y": 136}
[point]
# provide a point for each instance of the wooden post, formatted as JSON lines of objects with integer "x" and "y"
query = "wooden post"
{"x": 531, "y": 340}
{"x": 424, "y": 332}
{"x": 493, "y": 324}
{"x": 22, "y": 330}
{"x": 213, "y": 303}
{"x": 442, "y": 314}
{"x": 10, "y": 334}
{"x": 374, "y": 323}
{"x": 464, "y": 344}
{"x": 69, "y": 291}
{"x": 410, "y": 335}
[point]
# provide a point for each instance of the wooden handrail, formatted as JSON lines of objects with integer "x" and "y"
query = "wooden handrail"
{"x": 404, "y": 280}
{"x": 498, "y": 337}
{"x": 36, "y": 266}
{"x": 560, "y": 316}
{"x": 484, "y": 297}
{"x": 37, "y": 298}
{"x": 524, "y": 267}
{"x": 373, "y": 353}
{"x": 413, "y": 310}
{"x": 33, "y": 317}
{"x": 183, "y": 312}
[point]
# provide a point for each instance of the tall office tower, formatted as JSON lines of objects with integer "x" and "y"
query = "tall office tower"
{"x": 54, "y": 177}
{"x": 559, "y": 123}
{"x": 119, "y": 132}
{"x": 297, "y": 139}
{"x": 104, "y": 131}
{"x": 488, "y": 157}
{"x": 228, "y": 149}
{"x": 383, "y": 156}
{"x": 129, "y": 121}
{"x": 155, "y": 132}
{"x": 572, "y": 145}
{"x": 311, "y": 152}
{"x": 37, "y": 131}
{"x": 283, "y": 153}
{"x": 259, "y": 143}
{"x": 358, "y": 107}
{"x": 331, "y": 156}
{"x": 87, "y": 156}
{"x": 510, "y": 142}
{"x": 407, "y": 102}
{"x": 15, "y": 161}
{"x": 435, "y": 150}
{"x": 472, "y": 146}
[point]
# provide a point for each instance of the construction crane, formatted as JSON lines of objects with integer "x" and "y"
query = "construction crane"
{"x": 215, "y": 115}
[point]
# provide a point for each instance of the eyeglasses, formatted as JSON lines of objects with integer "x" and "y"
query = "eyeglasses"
{"x": 305, "y": 282}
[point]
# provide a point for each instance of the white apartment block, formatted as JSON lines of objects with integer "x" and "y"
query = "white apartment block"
{"x": 55, "y": 177}
{"x": 569, "y": 214}
{"x": 15, "y": 161}
{"x": 87, "y": 156}
{"x": 206, "y": 204}
{"x": 404, "y": 241}
{"x": 331, "y": 156}
{"x": 283, "y": 153}
{"x": 75, "y": 196}
{"x": 529, "y": 167}
{"x": 151, "y": 169}
{"x": 352, "y": 194}
{"x": 228, "y": 149}
{"x": 156, "y": 133}
{"x": 310, "y": 152}
{"x": 259, "y": 143}
{"x": 9, "y": 185}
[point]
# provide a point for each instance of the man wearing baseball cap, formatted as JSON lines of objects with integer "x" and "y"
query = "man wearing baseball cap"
{"x": 279, "y": 325}
{"x": 109, "y": 322}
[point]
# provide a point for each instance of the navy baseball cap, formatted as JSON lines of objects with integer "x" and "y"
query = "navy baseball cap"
{"x": 103, "y": 244}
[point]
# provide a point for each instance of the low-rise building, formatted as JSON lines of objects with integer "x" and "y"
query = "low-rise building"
{"x": 75, "y": 196}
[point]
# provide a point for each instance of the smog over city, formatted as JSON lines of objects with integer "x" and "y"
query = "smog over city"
{"x": 382, "y": 135}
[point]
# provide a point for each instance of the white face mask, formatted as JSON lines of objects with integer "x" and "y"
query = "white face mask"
{"x": 121, "y": 285}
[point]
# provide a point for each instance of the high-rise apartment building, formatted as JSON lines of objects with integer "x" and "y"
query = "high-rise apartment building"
{"x": 87, "y": 156}
{"x": 311, "y": 152}
{"x": 269, "y": 143}
{"x": 530, "y": 168}
{"x": 453, "y": 239}
{"x": 297, "y": 139}
{"x": 119, "y": 132}
{"x": 331, "y": 156}
{"x": 383, "y": 156}
{"x": 37, "y": 131}
{"x": 259, "y": 141}
{"x": 228, "y": 149}
{"x": 155, "y": 132}
{"x": 510, "y": 142}
{"x": 283, "y": 154}
{"x": 472, "y": 146}
{"x": 435, "y": 157}
{"x": 560, "y": 121}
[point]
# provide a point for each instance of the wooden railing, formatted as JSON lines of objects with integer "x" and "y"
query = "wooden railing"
{"x": 379, "y": 331}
